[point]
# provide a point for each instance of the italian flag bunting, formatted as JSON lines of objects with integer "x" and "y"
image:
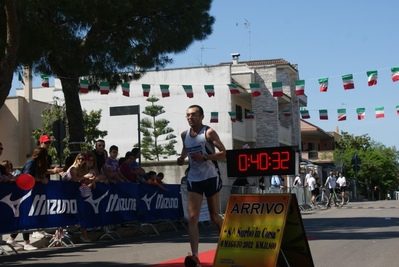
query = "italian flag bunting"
{"x": 233, "y": 116}
{"x": 348, "y": 81}
{"x": 255, "y": 89}
{"x": 233, "y": 89}
{"x": 84, "y": 86}
{"x": 146, "y": 89}
{"x": 323, "y": 114}
{"x": 277, "y": 89}
{"x": 189, "y": 90}
{"x": 397, "y": 109}
{"x": 323, "y": 84}
{"x": 268, "y": 111}
{"x": 360, "y": 113}
{"x": 164, "y": 90}
{"x": 249, "y": 115}
{"x": 125, "y": 89}
{"x": 287, "y": 113}
{"x": 342, "y": 114}
{"x": 214, "y": 116}
{"x": 210, "y": 90}
{"x": 379, "y": 112}
{"x": 20, "y": 78}
{"x": 104, "y": 88}
{"x": 45, "y": 82}
{"x": 372, "y": 77}
{"x": 395, "y": 74}
{"x": 300, "y": 87}
{"x": 305, "y": 114}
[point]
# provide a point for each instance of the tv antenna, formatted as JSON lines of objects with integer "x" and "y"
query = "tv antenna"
{"x": 202, "y": 50}
{"x": 247, "y": 26}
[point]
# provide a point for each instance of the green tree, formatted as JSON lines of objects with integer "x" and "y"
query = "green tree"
{"x": 379, "y": 164}
{"x": 57, "y": 112}
{"x": 153, "y": 130}
{"x": 104, "y": 40}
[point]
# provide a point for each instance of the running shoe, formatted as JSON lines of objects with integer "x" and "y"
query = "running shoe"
{"x": 192, "y": 261}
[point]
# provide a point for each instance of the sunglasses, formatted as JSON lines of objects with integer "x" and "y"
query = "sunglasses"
{"x": 1, "y": 148}
{"x": 47, "y": 143}
{"x": 81, "y": 159}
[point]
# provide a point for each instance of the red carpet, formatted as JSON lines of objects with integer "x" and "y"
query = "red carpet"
{"x": 206, "y": 259}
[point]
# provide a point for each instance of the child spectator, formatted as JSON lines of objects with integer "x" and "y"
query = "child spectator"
{"x": 113, "y": 165}
{"x": 159, "y": 178}
{"x": 152, "y": 180}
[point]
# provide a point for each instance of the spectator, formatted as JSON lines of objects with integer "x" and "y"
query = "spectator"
{"x": 125, "y": 170}
{"x": 45, "y": 142}
{"x": 92, "y": 169}
{"x": 7, "y": 172}
{"x": 36, "y": 166}
{"x": 298, "y": 181}
{"x": 136, "y": 155}
{"x": 152, "y": 180}
{"x": 79, "y": 172}
{"x": 276, "y": 182}
{"x": 341, "y": 181}
{"x": 332, "y": 182}
{"x": 113, "y": 165}
{"x": 311, "y": 182}
{"x": 101, "y": 157}
{"x": 183, "y": 180}
{"x": 310, "y": 174}
{"x": 376, "y": 193}
{"x": 160, "y": 177}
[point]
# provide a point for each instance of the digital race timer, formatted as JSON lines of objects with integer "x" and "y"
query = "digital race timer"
{"x": 260, "y": 161}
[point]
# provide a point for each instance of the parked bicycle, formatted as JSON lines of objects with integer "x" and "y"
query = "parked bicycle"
{"x": 346, "y": 196}
{"x": 322, "y": 199}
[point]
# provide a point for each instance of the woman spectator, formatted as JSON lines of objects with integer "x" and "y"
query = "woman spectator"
{"x": 36, "y": 166}
{"x": 6, "y": 173}
{"x": 92, "y": 169}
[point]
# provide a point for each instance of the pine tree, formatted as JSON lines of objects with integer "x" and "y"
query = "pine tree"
{"x": 155, "y": 132}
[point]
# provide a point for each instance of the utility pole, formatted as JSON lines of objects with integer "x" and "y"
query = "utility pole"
{"x": 356, "y": 167}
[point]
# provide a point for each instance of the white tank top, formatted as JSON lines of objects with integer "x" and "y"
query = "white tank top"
{"x": 199, "y": 170}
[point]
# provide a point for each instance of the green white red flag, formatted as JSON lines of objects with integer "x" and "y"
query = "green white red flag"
{"x": 277, "y": 89}
{"x": 360, "y": 113}
{"x": 146, "y": 89}
{"x": 233, "y": 89}
{"x": 45, "y": 80}
{"x": 268, "y": 111}
{"x": 323, "y": 82}
{"x": 104, "y": 88}
{"x": 372, "y": 77}
{"x": 323, "y": 114}
{"x": 233, "y": 117}
{"x": 125, "y": 89}
{"x": 164, "y": 90}
{"x": 210, "y": 90}
{"x": 214, "y": 116}
{"x": 249, "y": 115}
{"x": 348, "y": 81}
{"x": 395, "y": 74}
{"x": 379, "y": 112}
{"x": 305, "y": 114}
{"x": 189, "y": 90}
{"x": 397, "y": 109}
{"x": 255, "y": 89}
{"x": 287, "y": 113}
{"x": 300, "y": 87}
{"x": 84, "y": 86}
{"x": 20, "y": 78}
{"x": 342, "y": 114}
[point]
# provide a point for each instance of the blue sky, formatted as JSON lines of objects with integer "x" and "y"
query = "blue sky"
{"x": 326, "y": 39}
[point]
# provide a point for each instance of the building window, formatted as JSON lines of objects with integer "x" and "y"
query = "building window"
{"x": 238, "y": 113}
{"x": 310, "y": 146}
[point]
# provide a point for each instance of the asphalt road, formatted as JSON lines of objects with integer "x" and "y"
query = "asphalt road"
{"x": 360, "y": 234}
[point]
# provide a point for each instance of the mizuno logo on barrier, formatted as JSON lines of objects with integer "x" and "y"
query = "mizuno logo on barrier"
{"x": 166, "y": 202}
{"x": 120, "y": 204}
{"x": 14, "y": 205}
{"x": 43, "y": 206}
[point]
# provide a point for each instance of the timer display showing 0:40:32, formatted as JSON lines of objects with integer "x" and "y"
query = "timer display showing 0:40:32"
{"x": 260, "y": 161}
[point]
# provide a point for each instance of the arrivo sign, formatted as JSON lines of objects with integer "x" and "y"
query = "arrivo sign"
{"x": 260, "y": 161}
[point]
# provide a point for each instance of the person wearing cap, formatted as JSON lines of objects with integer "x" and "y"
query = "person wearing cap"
{"x": 45, "y": 142}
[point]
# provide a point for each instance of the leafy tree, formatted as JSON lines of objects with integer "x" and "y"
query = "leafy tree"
{"x": 104, "y": 40}
{"x": 57, "y": 112}
{"x": 152, "y": 130}
{"x": 9, "y": 44}
{"x": 379, "y": 164}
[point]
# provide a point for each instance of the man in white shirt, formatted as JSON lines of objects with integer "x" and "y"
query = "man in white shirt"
{"x": 298, "y": 181}
{"x": 310, "y": 174}
{"x": 311, "y": 182}
{"x": 331, "y": 181}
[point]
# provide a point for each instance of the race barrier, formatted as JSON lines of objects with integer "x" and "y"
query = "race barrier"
{"x": 60, "y": 204}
